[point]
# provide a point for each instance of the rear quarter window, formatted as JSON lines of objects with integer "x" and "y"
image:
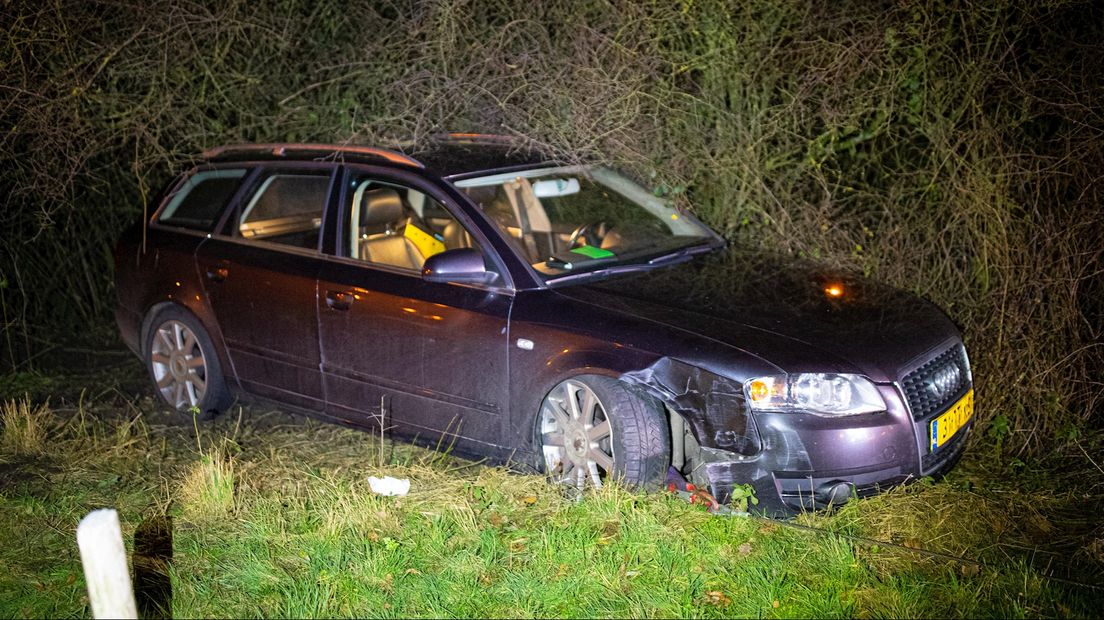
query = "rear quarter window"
{"x": 199, "y": 201}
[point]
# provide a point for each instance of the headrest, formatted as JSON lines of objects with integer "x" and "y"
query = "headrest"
{"x": 380, "y": 206}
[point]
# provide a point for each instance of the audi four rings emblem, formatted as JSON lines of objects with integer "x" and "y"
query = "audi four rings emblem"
{"x": 944, "y": 380}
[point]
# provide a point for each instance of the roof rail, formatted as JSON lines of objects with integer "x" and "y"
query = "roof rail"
{"x": 282, "y": 150}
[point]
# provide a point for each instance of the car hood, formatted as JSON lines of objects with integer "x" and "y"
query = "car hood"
{"x": 798, "y": 316}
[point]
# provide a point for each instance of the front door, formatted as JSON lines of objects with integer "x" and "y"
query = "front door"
{"x": 423, "y": 359}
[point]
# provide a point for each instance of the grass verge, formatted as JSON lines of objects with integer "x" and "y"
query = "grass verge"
{"x": 275, "y": 518}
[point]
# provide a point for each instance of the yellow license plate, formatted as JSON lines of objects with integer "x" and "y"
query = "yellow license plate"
{"x": 941, "y": 429}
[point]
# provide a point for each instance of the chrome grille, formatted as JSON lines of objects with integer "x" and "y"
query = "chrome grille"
{"x": 937, "y": 384}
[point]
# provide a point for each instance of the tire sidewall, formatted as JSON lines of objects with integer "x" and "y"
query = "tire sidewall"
{"x": 631, "y": 415}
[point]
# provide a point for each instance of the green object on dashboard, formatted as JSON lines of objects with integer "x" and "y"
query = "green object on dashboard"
{"x": 590, "y": 251}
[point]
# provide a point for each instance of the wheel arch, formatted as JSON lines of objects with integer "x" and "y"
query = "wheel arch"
{"x": 574, "y": 363}
{"x": 213, "y": 334}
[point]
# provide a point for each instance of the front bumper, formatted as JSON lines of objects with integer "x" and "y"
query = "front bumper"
{"x": 802, "y": 461}
{"x": 810, "y": 462}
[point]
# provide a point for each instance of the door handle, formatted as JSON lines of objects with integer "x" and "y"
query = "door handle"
{"x": 339, "y": 300}
{"x": 218, "y": 273}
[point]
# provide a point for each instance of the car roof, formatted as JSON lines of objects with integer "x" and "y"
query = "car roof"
{"x": 447, "y": 155}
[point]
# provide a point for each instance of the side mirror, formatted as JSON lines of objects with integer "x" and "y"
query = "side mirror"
{"x": 463, "y": 265}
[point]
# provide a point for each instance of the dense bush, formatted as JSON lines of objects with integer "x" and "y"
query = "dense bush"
{"x": 953, "y": 150}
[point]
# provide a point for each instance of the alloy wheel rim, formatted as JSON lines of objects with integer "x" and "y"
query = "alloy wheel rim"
{"x": 179, "y": 366}
{"x": 576, "y": 436}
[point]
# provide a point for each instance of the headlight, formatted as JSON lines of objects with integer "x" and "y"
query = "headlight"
{"x": 821, "y": 393}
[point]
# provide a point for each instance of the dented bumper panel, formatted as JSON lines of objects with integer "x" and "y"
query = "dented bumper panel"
{"x": 793, "y": 461}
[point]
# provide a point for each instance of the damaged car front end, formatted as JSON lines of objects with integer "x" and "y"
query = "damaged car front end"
{"x": 798, "y": 460}
{"x": 811, "y": 387}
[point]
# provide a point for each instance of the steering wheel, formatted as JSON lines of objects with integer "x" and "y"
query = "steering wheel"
{"x": 591, "y": 233}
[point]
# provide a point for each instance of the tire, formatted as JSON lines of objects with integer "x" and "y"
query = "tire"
{"x": 184, "y": 365}
{"x": 592, "y": 429}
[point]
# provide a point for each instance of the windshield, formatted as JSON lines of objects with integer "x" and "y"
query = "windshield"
{"x": 572, "y": 219}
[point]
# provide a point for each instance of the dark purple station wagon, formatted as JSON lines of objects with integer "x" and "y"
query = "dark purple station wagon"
{"x": 557, "y": 317}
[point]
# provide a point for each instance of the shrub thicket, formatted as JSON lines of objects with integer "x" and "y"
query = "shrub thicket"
{"x": 953, "y": 150}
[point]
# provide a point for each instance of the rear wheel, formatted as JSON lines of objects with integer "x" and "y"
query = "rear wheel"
{"x": 594, "y": 429}
{"x": 183, "y": 364}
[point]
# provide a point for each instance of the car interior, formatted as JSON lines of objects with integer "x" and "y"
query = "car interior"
{"x": 400, "y": 226}
{"x": 519, "y": 209}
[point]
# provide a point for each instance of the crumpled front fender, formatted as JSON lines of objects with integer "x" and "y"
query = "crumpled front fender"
{"x": 734, "y": 448}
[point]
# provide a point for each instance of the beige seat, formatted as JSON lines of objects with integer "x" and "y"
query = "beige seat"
{"x": 456, "y": 237}
{"x": 381, "y": 242}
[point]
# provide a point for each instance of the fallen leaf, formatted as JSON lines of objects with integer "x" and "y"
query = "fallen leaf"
{"x": 717, "y": 598}
{"x": 767, "y": 528}
{"x": 745, "y": 549}
{"x": 969, "y": 570}
{"x": 496, "y": 519}
{"x": 775, "y": 604}
{"x": 485, "y": 579}
{"x": 413, "y": 571}
{"x": 518, "y": 544}
{"x": 529, "y": 500}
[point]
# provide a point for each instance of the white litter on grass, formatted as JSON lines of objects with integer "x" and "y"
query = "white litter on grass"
{"x": 389, "y": 486}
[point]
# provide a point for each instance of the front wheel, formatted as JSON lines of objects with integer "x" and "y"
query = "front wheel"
{"x": 183, "y": 364}
{"x": 594, "y": 429}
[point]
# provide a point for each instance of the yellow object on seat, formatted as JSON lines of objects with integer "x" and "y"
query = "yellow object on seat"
{"x": 426, "y": 243}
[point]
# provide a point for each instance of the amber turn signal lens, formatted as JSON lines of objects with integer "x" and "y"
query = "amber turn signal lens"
{"x": 759, "y": 390}
{"x": 834, "y": 290}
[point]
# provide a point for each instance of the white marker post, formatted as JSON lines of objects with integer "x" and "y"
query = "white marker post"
{"x": 105, "y": 565}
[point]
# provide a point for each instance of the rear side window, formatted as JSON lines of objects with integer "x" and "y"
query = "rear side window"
{"x": 286, "y": 208}
{"x": 199, "y": 201}
{"x": 288, "y": 195}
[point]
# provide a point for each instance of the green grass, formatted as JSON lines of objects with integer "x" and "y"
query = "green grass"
{"x": 275, "y": 518}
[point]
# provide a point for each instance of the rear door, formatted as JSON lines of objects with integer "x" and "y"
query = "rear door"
{"x": 260, "y": 274}
{"x": 424, "y": 359}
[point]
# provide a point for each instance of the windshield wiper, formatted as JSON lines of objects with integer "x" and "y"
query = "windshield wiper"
{"x": 663, "y": 260}
{"x": 678, "y": 256}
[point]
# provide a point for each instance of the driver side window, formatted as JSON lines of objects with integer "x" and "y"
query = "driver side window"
{"x": 399, "y": 226}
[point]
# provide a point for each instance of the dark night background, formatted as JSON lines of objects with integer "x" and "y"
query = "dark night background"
{"x": 954, "y": 149}
{"x": 951, "y": 148}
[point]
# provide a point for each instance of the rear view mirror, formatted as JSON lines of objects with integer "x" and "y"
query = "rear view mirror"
{"x": 552, "y": 188}
{"x": 463, "y": 265}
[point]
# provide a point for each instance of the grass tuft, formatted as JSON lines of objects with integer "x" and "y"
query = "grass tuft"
{"x": 207, "y": 490}
{"x": 25, "y": 426}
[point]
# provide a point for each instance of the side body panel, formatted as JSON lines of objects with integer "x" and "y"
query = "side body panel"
{"x": 160, "y": 271}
